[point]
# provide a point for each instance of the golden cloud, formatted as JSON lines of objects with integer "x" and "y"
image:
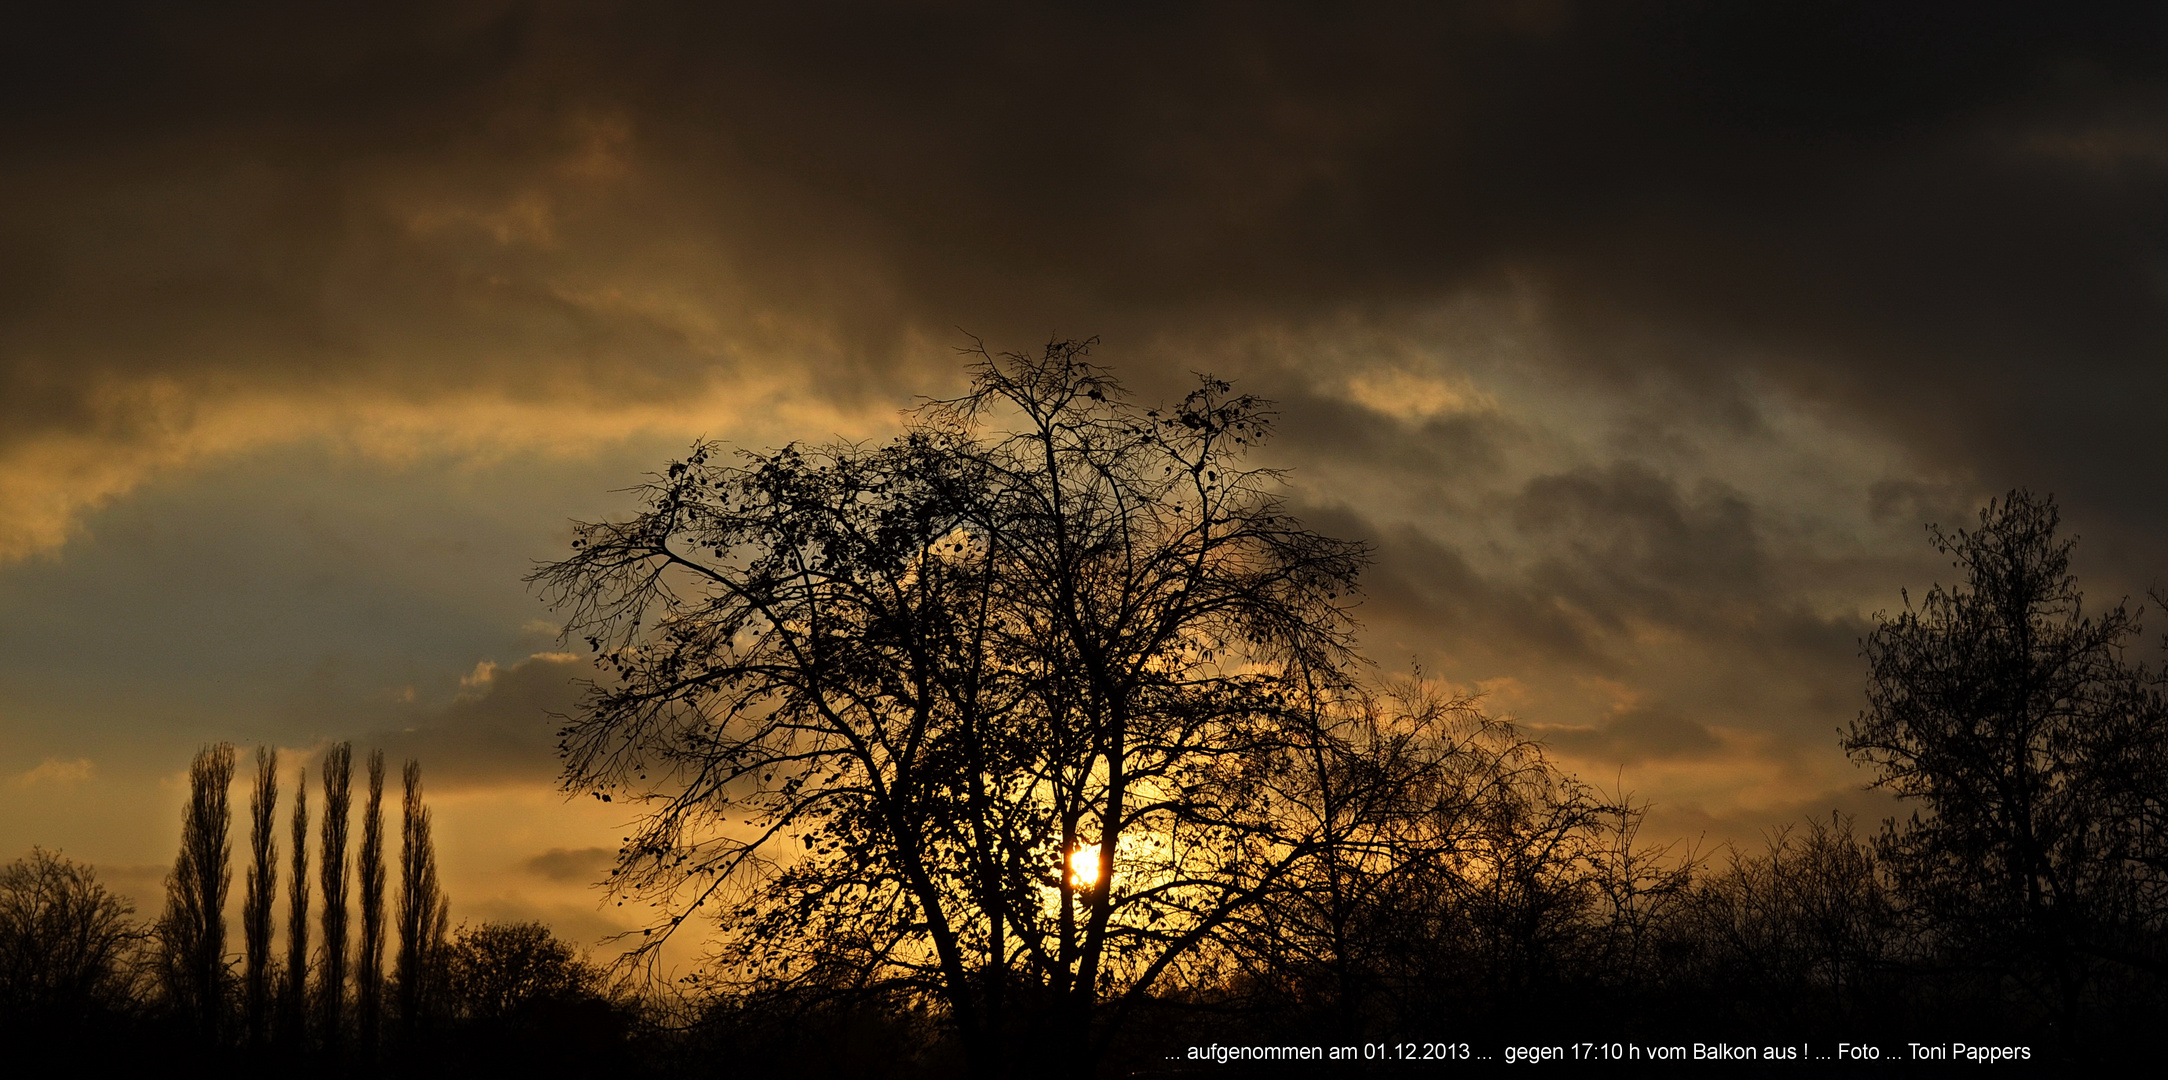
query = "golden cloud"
{"x": 56, "y": 772}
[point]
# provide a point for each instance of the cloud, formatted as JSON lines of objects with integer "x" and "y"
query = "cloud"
{"x": 50, "y": 479}
{"x": 1428, "y": 588}
{"x": 544, "y": 205}
{"x": 1639, "y": 337}
{"x": 140, "y": 884}
{"x": 1626, "y": 540}
{"x": 483, "y": 675}
{"x": 1634, "y": 736}
{"x": 56, "y": 772}
{"x": 584, "y": 866}
{"x": 1749, "y": 828}
{"x": 501, "y": 730}
{"x": 1415, "y": 398}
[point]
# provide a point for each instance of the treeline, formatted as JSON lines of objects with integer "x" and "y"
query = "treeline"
{"x": 1545, "y": 923}
{"x": 369, "y": 975}
{"x": 1455, "y": 887}
{"x": 1036, "y": 741}
{"x": 1466, "y": 889}
{"x": 2021, "y": 900}
{"x": 340, "y": 991}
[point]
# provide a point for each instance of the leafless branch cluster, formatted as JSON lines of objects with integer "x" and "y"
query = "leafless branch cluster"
{"x": 1033, "y": 710}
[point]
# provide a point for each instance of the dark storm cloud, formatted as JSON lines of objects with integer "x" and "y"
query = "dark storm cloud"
{"x": 1439, "y": 454}
{"x": 1624, "y": 618}
{"x": 503, "y": 732}
{"x": 1937, "y": 228}
{"x": 1598, "y": 553}
{"x": 1635, "y": 736}
{"x": 1947, "y": 205}
{"x": 1634, "y": 545}
{"x": 1429, "y": 588}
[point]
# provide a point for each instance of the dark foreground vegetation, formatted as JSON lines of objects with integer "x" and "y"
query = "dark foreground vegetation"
{"x": 1034, "y": 743}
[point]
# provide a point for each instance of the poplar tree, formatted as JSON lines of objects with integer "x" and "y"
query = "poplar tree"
{"x": 331, "y": 979}
{"x": 294, "y": 997}
{"x": 423, "y": 910}
{"x": 369, "y": 960}
{"x": 193, "y": 931}
{"x": 262, "y": 885}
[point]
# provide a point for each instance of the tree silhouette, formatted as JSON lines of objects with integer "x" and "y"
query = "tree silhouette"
{"x": 192, "y": 932}
{"x": 294, "y": 993}
{"x": 523, "y": 998}
{"x": 1017, "y": 699}
{"x": 65, "y": 944}
{"x": 369, "y": 957}
{"x": 261, "y": 887}
{"x": 1803, "y": 933}
{"x": 2036, "y": 751}
{"x": 337, "y": 772}
{"x": 1458, "y": 867}
{"x": 498, "y": 971}
{"x": 423, "y": 911}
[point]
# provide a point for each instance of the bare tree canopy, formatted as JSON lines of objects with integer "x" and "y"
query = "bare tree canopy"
{"x": 2036, "y": 748}
{"x": 496, "y": 971}
{"x": 1020, "y": 696}
{"x": 65, "y": 942}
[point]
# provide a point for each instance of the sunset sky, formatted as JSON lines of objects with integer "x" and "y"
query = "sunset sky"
{"x": 1641, "y": 339}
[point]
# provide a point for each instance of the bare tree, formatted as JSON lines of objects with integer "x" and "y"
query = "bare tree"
{"x": 262, "y": 885}
{"x": 193, "y": 930}
{"x": 294, "y": 994}
{"x": 369, "y": 960}
{"x": 1458, "y": 866}
{"x": 2037, "y": 752}
{"x": 423, "y": 910}
{"x": 1804, "y": 933}
{"x": 337, "y": 771}
{"x": 65, "y": 944}
{"x": 970, "y": 708}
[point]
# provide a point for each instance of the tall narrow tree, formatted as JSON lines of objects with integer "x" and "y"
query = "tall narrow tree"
{"x": 294, "y": 996}
{"x": 331, "y": 967}
{"x": 193, "y": 930}
{"x": 263, "y": 846}
{"x": 369, "y": 959}
{"x": 423, "y": 911}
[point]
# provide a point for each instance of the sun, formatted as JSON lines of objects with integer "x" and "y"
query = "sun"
{"x": 1084, "y": 867}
